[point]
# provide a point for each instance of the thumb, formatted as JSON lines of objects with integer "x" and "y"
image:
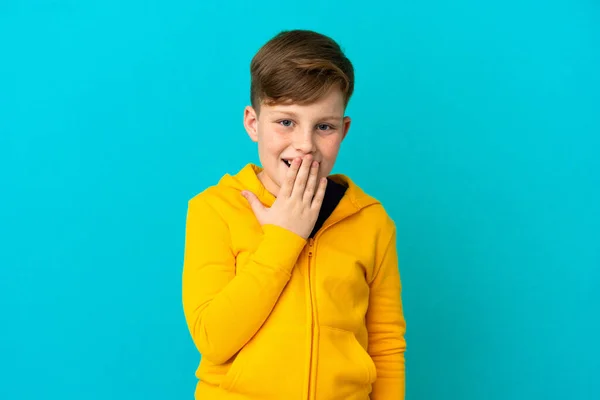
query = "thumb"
{"x": 257, "y": 207}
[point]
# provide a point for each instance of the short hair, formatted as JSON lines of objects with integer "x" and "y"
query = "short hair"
{"x": 299, "y": 66}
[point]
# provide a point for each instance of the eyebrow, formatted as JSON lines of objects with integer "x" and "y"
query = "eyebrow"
{"x": 294, "y": 115}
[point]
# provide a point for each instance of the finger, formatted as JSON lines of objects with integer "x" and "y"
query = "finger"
{"x": 288, "y": 183}
{"x": 257, "y": 207}
{"x": 320, "y": 195}
{"x": 300, "y": 182}
{"x": 311, "y": 185}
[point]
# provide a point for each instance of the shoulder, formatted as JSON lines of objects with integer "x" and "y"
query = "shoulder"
{"x": 225, "y": 194}
{"x": 207, "y": 196}
{"x": 377, "y": 222}
{"x": 214, "y": 204}
{"x": 373, "y": 221}
{"x": 380, "y": 227}
{"x": 371, "y": 213}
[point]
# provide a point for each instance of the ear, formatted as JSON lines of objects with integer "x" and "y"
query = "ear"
{"x": 251, "y": 123}
{"x": 346, "y": 127}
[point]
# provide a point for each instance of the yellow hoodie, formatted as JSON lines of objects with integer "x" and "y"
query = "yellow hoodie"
{"x": 278, "y": 317}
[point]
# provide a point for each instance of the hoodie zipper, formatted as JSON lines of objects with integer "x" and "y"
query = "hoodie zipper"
{"x": 311, "y": 243}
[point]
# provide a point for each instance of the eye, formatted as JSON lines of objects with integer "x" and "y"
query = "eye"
{"x": 285, "y": 122}
{"x": 324, "y": 127}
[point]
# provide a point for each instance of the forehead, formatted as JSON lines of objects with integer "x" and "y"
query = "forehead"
{"x": 332, "y": 104}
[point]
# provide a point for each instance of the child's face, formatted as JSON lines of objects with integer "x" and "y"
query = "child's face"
{"x": 284, "y": 132}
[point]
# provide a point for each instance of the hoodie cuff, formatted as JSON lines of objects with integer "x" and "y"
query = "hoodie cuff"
{"x": 279, "y": 249}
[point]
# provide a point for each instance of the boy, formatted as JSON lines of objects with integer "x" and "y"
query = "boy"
{"x": 291, "y": 287}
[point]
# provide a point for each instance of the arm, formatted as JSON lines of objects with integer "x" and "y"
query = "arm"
{"x": 386, "y": 327}
{"x": 224, "y": 310}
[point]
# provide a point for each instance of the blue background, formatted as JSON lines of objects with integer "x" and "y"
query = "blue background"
{"x": 475, "y": 122}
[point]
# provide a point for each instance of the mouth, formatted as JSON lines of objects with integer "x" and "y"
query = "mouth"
{"x": 288, "y": 161}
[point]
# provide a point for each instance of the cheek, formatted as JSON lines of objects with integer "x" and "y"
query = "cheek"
{"x": 329, "y": 149}
{"x": 272, "y": 143}
{"x": 329, "y": 154}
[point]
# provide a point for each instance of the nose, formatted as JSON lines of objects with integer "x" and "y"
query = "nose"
{"x": 304, "y": 142}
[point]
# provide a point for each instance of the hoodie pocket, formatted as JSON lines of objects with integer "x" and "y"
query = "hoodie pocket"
{"x": 345, "y": 369}
{"x": 271, "y": 366}
{"x": 233, "y": 373}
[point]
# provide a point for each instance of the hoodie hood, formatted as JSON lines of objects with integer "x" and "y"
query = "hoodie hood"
{"x": 353, "y": 201}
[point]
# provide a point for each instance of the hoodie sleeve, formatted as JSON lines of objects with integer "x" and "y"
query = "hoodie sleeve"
{"x": 224, "y": 310}
{"x": 386, "y": 327}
